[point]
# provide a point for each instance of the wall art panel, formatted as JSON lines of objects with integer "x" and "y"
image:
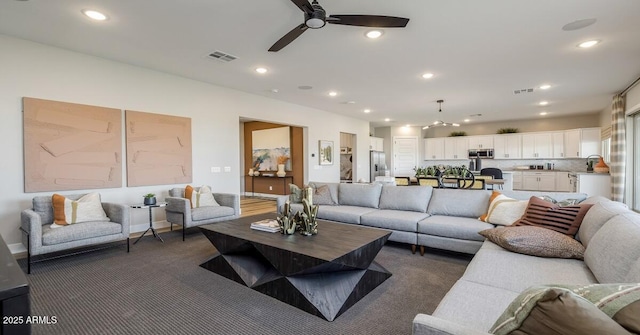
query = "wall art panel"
{"x": 71, "y": 146}
{"x": 158, "y": 149}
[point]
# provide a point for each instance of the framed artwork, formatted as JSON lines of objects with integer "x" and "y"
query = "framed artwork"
{"x": 271, "y": 147}
{"x": 158, "y": 149}
{"x": 325, "y": 152}
{"x": 70, "y": 146}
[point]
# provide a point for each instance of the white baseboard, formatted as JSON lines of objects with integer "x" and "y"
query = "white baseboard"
{"x": 263, "y": 195}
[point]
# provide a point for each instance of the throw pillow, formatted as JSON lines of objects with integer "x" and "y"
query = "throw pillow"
{"x": 504, "y": 210}
{"x": 203, "y": 197}
{"x": 67, "y": 211}
{"x": 561, "y": 203}
{"x": 535, "y": 241}
{"x": 322, "y": 196}
{"x": 545, "y": 214}
{"x": 573, "y": 309}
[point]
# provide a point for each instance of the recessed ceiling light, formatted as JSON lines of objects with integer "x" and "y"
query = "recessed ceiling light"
{"x": 261, "y": 70}
{"x": 367, "y": 111}
{"x": 543, "y": 113}
{"x": 373, "y": 34}
{"x": 387, "y": 120}
{"x": 274, "y": 90}
{"x": 545, "y": 87}
{"x": 94, "y": 14}
{"x": 427, "y": 75}
{"x": 333, "y": 93}
{"x": 543, "y": 103}
{"x": 467, "y": 120}
{"x": 588, "y": 44}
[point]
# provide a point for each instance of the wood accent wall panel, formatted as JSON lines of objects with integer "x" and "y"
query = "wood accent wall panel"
{"x": 297, "y": 156}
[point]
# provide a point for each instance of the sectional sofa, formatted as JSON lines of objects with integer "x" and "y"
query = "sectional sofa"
{"x": 422, "y": 216}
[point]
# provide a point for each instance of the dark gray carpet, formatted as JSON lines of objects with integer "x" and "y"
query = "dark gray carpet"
{"x": 159, "y": 288}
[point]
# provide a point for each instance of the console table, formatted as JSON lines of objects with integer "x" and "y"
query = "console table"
{"x": 14, "y": 295}
{"x": 284, "y": 182}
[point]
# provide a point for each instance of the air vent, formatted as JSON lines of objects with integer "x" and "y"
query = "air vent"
{"x": 222, "y": 56}
{"x": 524, "y": 90}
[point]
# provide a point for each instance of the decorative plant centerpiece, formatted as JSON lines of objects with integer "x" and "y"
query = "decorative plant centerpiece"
{"x": 420, "y": 171}
{"x": 282, "y": 160}
{"x": 507, "y": 131}
{"x": 305, "y": 221}
{"x": 149, "y": 199}
{"x": 457, "y": 133}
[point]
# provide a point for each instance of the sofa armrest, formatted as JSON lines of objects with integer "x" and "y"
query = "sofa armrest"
{"x": 31, "y": 223}
{"x": 178, "y": 205}
{"x": 119, "y": 213}
{"x": 424, "y": 324}
{"x": 228, "y": 200}
{"x": 280, "y": 200}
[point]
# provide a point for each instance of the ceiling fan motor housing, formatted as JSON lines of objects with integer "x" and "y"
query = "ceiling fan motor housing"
{"x": 316, "y": 19}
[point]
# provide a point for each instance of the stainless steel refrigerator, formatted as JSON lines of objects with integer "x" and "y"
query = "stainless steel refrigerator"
{"x": 377, "y": 164}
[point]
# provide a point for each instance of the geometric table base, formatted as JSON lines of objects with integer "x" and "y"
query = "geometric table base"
{"x": 323, "y": 274}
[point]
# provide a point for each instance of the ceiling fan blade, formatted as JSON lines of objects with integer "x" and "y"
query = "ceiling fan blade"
{"x": 304, "y": 5}
{"x": 369, "y": 21}
{"x": 289, "y": 37}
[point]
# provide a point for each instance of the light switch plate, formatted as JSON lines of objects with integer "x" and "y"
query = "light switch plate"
{"x": 227, "y": 169}
{"x": 215, "y": 169}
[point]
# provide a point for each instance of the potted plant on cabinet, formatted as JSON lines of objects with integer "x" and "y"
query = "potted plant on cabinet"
{"x": 149, "y": 199}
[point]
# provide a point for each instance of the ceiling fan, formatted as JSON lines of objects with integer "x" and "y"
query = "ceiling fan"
{"x": 315, "y": 17}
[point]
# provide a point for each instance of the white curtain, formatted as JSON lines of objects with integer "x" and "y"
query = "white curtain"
{"x": 618, "y": 149}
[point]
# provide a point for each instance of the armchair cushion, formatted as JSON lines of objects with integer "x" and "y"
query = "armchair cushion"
{"x": 67, "y": 211}
{"x": 201, "y": 197}
{"x": 79, "y": 231}
{"x": 210, "y": 212}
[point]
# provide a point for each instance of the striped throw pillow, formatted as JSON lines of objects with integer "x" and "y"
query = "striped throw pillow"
{"x": 202, "y": 197}
{"x": 548, "y": 215}
{"x": 67, "y": 211}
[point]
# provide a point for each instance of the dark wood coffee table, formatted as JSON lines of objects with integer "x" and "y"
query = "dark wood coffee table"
{"x": 324, "y": 274}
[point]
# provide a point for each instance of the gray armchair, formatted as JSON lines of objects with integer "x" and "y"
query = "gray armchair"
{"x": 179, "y": 210}
{"x": 39, "y": 238}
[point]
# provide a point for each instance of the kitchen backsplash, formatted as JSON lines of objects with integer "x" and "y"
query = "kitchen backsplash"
{"x": 577, "y": 165}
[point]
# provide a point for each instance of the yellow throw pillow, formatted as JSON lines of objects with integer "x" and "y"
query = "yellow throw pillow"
{"x": 200, "y": 198}
{"x": 504, "y": 210}
{"x": 67, "y": 211}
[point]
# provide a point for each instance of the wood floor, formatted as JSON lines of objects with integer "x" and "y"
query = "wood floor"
{"x": 255, "y": 205}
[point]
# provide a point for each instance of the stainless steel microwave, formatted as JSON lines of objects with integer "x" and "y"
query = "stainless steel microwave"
{"x": 481, "y": 153}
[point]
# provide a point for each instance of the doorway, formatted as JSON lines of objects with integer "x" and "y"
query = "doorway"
{"x": 347, "y": 142}
{"x": 405, "y": 155}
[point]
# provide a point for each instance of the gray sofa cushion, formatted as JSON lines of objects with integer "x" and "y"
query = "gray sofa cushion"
{"x": 597, "y": 216}
{"x": 392, "y": 219}
{"x": 79, "y": 231}
{"x": 210, "y": 212}
{"x": 457, "y": 202}
{"x": 613, "y": 250}
{"x": 409, "y": 198}
{"x": 364, "y": 195}
{"x": 495, "y": 266}
{"x": 454, "y": 227}
{"x": 345, "y": 214}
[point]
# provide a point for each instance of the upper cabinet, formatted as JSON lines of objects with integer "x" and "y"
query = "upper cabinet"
{"x": 376, "y": 144}
{"x": 480, "y": 142}
{"x": 580, "y": 143}
{"x": 537, "y": 145}
{"x": 456, "y": 147}
{"x": 507, "y": 146}
{"x": 558, "y": 144}
{"x": 434, "y": 148}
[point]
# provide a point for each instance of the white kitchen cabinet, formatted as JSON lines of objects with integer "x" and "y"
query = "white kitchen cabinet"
{"x": 507, "y": 146}
{"x": 581, "y": 143}
{"x": 537, "y": 145}
{"x": 564, "y": 183}
{"x": 456, "y": 147}
{"x": 517, "y": 180}
{"x": 376, "y": 144}
{"x": 434, "y": 148}
{"x": 539, "y": 181}
{"x": 481, "y": 142}
{"x": 558, "y": 144}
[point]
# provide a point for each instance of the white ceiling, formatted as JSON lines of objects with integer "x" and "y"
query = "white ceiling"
{"x": 479, "y": 51}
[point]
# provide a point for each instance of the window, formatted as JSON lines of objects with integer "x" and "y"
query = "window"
{"x": 634, "y": 149}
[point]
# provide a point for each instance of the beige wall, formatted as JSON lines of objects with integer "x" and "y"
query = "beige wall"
{"x": 605, "y": 118}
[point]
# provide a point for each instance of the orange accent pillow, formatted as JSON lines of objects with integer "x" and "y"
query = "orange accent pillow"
{"x": 188, "y": 194}
{"x": 67, "y": 211}
{"x": 494, "y": 195}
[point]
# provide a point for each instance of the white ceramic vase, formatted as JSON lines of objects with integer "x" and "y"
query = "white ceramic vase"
{"x": 281, "y": 172}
